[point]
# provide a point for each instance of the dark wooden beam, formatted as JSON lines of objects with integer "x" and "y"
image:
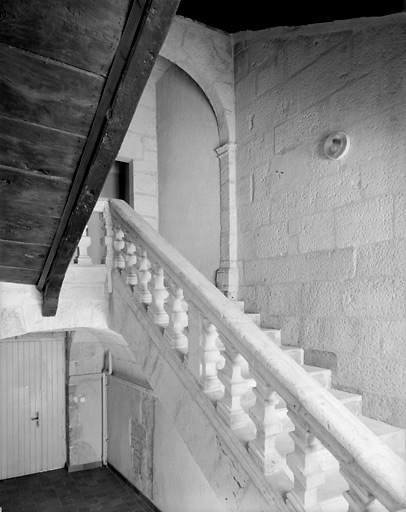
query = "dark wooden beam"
{"x": 25, "y": 225}
{"x": 33, "y": 147}
{"x": 46, "y": 92}
{"x": 21, "y": 189}
{"x": 83, "y": 34}
{"x": 144, "y": 33}
{"x": 18, "y": 275}
{"x": 22, "y": 255}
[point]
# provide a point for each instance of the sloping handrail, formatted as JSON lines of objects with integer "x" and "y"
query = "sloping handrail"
{"x": 364, "y": 456}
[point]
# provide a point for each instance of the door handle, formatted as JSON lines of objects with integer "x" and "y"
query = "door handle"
{"x": 36, "y": 418}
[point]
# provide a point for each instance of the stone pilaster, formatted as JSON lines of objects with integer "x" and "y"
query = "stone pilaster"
{"x": 227, "y": 274}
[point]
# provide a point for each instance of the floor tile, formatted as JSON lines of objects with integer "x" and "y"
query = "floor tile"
{"x": 92, "y": 490}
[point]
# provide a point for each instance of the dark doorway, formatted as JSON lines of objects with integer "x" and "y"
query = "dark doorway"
{"x": 117, "y": 184}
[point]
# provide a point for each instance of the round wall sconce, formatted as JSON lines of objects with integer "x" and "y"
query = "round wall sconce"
{"x": 336, "y": 145}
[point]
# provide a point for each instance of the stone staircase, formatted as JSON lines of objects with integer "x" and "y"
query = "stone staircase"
{"x": 222, "y": 380}
{"x": 331, "y": 493}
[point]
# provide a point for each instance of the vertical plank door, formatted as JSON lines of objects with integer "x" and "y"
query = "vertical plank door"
{"x": 32, "y": 385}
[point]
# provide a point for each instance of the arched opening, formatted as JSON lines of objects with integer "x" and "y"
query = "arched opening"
{"x": 188, "y": 170}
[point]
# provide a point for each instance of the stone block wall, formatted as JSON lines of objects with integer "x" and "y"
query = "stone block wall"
{"x": 139, "y": 148}
{"x": 322, "y": 249}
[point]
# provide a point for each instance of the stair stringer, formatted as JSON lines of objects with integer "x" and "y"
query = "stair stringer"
{"x": 224, "y": 462}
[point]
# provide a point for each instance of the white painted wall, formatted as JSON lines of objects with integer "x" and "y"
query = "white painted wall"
{"x": 83, "y": 303}
{"x": 189, "y": 174}
{"x": 322, "y": 243}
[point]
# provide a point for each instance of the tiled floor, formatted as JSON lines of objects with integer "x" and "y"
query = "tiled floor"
{"x": 92, "y": 490}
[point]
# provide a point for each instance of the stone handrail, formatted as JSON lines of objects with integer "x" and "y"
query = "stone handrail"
{"x": 371, "y": 469}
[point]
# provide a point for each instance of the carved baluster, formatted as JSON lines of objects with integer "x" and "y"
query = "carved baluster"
{"x": 83, "y": 258}
{"x": 130, "y": 261}
{"x": 194, "y": 330}
{"x": 143, "y": 276}
{"x": 268, "y": 425}
{"x": 358, "y": 497}
{"x": 211, "y": 359}
{"x": 176, "y": 309}
{"x": 235, "y": 386}
{"x": 119, "y": 244}
{"x": 159, "y": 295}
{"x": 108, "y": 240}
{"x": 304, "y": 462}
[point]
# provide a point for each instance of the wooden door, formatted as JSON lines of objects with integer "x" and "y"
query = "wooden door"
{"x": 32, "y": 385}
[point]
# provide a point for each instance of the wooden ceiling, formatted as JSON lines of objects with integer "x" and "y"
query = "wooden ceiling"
{"x": 71, "y": 75}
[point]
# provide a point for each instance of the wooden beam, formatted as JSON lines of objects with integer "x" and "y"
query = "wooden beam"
{"x": 22, "y": 255}
{"x": 47, "y": 92}
{"x": 30, "y": 146}
{"x": 21, "y": 190}
{"x": 18, "y": 275}
{"x": 84, "y": 34}
{"x": 24, "y": 225}
{"x": 144, "y": 33}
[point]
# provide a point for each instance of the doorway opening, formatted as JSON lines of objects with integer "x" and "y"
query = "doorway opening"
{"x": 118, "y": 184}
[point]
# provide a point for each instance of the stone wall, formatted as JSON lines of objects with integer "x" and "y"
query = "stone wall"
{"x": 189, "y": 183}
{"x": 139, "y": 149}
{"x": 322, "y": 249}
{"x": 204, "y": 54}
{"x": 131, "y": 430}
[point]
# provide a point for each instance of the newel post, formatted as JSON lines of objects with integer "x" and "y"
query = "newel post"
{"x": 227, "y": 274}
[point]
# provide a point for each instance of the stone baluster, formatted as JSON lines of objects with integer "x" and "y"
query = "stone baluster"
{"x": 118, "y": 245}
{"x": 211, "y": 360}
{"x": 268, "y": 425}
{"x": 235, "y": 386}
{"x": 159, "y": 295}
{"x": 358, "y": 497}
{"x": 304, "y": 462}
{"x": 142, "y": 267}
{"x": 130, "y": 261}
{"x": 194, "y": 332}
{"x": 108, "y": 241}
{"x": 85, "y": 241}
{"x": 176, "y": 309}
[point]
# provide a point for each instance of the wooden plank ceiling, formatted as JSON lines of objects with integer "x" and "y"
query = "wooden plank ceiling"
{"x": 71, "y": 75}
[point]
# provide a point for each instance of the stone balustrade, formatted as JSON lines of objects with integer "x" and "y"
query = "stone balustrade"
{"x": 92, "y": 248}
{"x": 231, "y": 357}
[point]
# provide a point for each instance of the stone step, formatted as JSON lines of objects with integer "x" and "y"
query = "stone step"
{"x": 273, "y": 334}
{"x": 394, "y": 437}
{"x": 352, "y": 401}
{"x": 296, "y": 353}
{"x": 254, "y": 317}
{"x": 239, "y": 304}
{"x": 322, "y": 375}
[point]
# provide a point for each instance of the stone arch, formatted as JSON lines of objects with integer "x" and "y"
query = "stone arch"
{"x": 206, "y": 56}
